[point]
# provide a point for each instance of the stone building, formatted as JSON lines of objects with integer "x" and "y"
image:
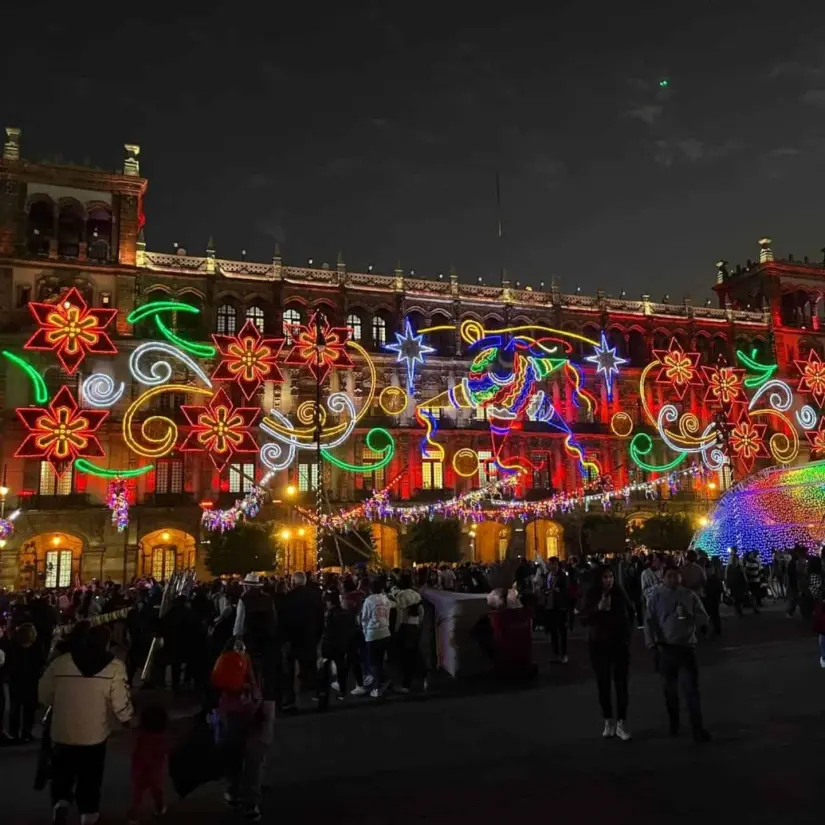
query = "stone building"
{"x": 64, "y": 226}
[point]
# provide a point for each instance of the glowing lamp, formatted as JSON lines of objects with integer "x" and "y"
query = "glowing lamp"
{"x": 165, "y": 536}
{"x": 4, "y": 491}
{"x": 290, "y": 490}
{"x": 301, "y": 531}
{"x": 56, "y": 541}
{"x": 2, "y": 543}
{"x": 286, "y": 535}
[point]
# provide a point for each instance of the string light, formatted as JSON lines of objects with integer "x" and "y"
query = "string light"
{"x": 387, "y": 451}
{"x": 118, "y": 502}
{"x": 200, "y": 350}
{"x": 161, "y": 371}
{"x": 41, "y": 393}
{"x": 99, "y": 390}
{"x": 465, "y": 462}
{"x": 621, "y": 424}
{"x": 156, "y": 307}
{"x": 607, "y": 363}
{"x": 410, "y": 350}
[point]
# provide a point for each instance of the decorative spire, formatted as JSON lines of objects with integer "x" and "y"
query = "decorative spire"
{"x": 765, "y": 251}
{"x": 131, "y": 166}
{"x": 11, "y": 148}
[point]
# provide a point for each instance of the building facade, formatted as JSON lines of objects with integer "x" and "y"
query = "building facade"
{"x": 67, "y": 227}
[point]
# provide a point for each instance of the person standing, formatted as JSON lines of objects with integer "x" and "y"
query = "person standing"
{"x": 753, "y": 573}
{"x": 712, "y": 599}
{"x": 737, "y": 582}
{"x": 85, "y": 688}
{"x": 555, "y": 611}
{"x": 408, "y": 604}
{"x": 25, "y": 662}
{"x": 375, "y": 622}
{"x": 673, "y": 615}
{"x": 652, "y": 576}
{"x": 608, "y": 615}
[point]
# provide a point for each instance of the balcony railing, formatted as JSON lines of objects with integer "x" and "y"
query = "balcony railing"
{"x": 169, "y": 499}
{"x": 41, "y": 502}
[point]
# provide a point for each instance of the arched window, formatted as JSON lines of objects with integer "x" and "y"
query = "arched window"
{"x": 354, "y": 324}
{"x": 99, "y": 234}
{"x": 379, "y": 331}
{"x": 40, "y": 227}
{"x": 226, "y": 319}
{"x": 256, "y": 315}
{"x": 70, "y": 230}
{"x": 291, "y": 318}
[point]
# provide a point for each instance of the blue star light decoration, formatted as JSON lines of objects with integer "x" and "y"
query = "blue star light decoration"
{"x": 607, "y": 363}
{"x": 410, "y": 349}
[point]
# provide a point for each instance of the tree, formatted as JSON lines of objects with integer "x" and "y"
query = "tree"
{"x": 356, "y": 547}
{"x": 663, "y": 532}
{"x": 430, "y": 541}
{"x": 246, "y": 548}
{"x": 604, "y": 533}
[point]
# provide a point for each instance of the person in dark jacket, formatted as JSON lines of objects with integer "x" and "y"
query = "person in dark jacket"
{"x": 556, "y": 606}
{"x": 340, "y": 629}
{"x": 737, "y": 582}
{"x": 303, "y": 624}
{"x": 25, "y": 663}
{"x": 607, "y": 613}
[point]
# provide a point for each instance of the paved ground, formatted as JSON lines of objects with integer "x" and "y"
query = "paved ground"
{"x": 533, "y": 753}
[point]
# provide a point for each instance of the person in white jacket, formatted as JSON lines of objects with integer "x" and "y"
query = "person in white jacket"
{"x": 408, "y": 604}
{"x": 375, "y": 622}
{"x": 86, "y": 689}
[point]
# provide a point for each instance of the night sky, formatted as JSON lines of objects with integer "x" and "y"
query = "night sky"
{"x": 379, "y": 130}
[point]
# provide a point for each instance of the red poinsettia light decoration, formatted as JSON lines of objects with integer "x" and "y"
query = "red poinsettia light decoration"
{"x": 747, "y": 440}
{"x": 248, "y": 358}
{"x": 61, "y": 432}
{"x": 816, "y": 438}
{"x": 71, "y": 329}
{"x": 319, "y": 347}
{"x": 678, "y": 368}
{"x": 813, "y": 376}
{"x": 220, "y": 428}
{"x": 725, "y": 386}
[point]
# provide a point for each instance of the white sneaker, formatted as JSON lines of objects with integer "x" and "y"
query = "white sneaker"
{"x": 622, "y": 732}
{"x": 336, "y": 687}
{"x": 89, "y": 819}
{"x": 401, "y": 689}
{"x": 375, "y": 693}
{"x": 609, "y": 729}
{"x": 359, "y": 690}
{"x": 564, "y": 660}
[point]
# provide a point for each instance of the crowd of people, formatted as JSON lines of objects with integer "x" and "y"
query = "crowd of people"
{"x": 310, "y": 638}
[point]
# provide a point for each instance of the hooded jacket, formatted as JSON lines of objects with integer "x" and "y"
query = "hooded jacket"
{"x": 86, "y": 691}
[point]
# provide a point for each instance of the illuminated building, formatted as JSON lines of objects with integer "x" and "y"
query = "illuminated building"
{"x": 68, "y": 228}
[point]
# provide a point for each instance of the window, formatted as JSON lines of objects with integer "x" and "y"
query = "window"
{"x": 24, "y": 295}
{"x": 242, "y": 477}
{"x": 256, "y": 315}
{"x": 307, "y": 477}
{"x": 58, "y": 568}
{"x": 480, "y": 413}
{"x": 163, "y": 562}
{"x": 354, "y": 324}
{"x": 291, "y": 317}
{"x": 226, "y": 320}
{"x": 53, "y": 485}
{"x": 376, "y": 478}
{"x": 169, "y": 476}
{"x": 541, "y": 476}
{"x": 434, "y": 412}
{"x": 379, "y": 331}
{"x": 432, "y": 469}
{"x": 487, "y": 469}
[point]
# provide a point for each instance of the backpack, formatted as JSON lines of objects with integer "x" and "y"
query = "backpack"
{"x": 231, "y": 672}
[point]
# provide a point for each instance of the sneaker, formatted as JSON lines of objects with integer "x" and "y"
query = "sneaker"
{"x": 60, "y": 814}
{"x": 359, "y": 690}
{"x": 564, "y": 660}
{"x": 253, "y": 814}
{"x": 609, "y": 729}
{"x": 622, "y": 732}
{"x": 375, "y": 693}
{"x": 402, "y": 690}
{"x": 336, "y": 687}
{"x": 231, "y": 800}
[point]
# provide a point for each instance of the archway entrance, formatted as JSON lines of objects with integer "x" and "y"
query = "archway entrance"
{"x": 545, "y": 538}
{"x": 385, "y": 539}
{"x": 50, "y": 560}
{"x": 491, "y": 541}
{"x": 164, "y": 551}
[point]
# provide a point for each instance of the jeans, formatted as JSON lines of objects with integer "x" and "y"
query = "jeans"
{"x": 377, "y": 652}
{"x": 611, "y": 664}
{"x": 678, "y": 666}
{"x": 246, "y": 742}
{"x": 555, "y": 623}
{"x": 77, "y": 773}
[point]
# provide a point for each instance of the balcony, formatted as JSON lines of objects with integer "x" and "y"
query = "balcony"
{"x": 38, "y": 502}
{"x": 169, "y": 499}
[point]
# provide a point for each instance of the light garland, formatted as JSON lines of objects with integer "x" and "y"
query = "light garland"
{"x": 7, "y": 524}
{"x": 245, "y": 508}
{"x": 118, "y": 502}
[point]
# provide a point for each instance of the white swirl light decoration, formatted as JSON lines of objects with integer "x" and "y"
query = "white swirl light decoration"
{"x": 277, "y": 456}
{"x": 99, "y": 390}
{"x": 775, "y": 399}
{"x": 717, "y": 459}
{"x": 161, "y": 371}
{"x": 669, "y": 414}
{"x": 338, "y": 402}
{"x": 806, "y": 417}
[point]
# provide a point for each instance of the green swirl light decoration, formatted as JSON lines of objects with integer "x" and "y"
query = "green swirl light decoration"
{"x": 83, "y": 466}
{"x": 156, "y": 308}
{"x": 41, "y": 393}
{"x": 385, "y": 446}
{"x": 642, "y": 445}
{"x": 764, "y": 372}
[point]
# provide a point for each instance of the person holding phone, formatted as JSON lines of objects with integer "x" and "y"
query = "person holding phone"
{"x": 608, "y": 615}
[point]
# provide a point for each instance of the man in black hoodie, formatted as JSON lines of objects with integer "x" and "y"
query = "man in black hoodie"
{"x": 303, "y": 624}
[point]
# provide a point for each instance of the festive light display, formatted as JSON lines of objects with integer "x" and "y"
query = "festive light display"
{"x": 678, "y": 368}
{"x": 319, "y": 347}
{"x": 7, "y": 524}
{"x": 410, "y": 351}
{"x": 118, "y": 502}
{"x": 465, "y": 462}
{"x": 220, "y": 429}
{"x": 776, "y": 508}
{"x": 41, "y": 393}
{"x": 99, "y": 390}
{"x": 725, "y": 386}
{"x": 248, "y": 358}
{"x": 813, "y": 376}
{"x": 374, "y": 440}
{"x": 763, "y": 372}
{"x": 62, "y": 432}
{"x": 393, "y": 400}
{"x": 199, "y": 350}
{"x": 71, "y": 329}
{"x": 83, "y": 466}
{"x": 161, "y": 371}
{"x": 621, "y": 424}
{"x": 607, "y": 363}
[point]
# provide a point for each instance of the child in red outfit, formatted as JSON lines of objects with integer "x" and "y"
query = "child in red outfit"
{"x": 149, "y": 761}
